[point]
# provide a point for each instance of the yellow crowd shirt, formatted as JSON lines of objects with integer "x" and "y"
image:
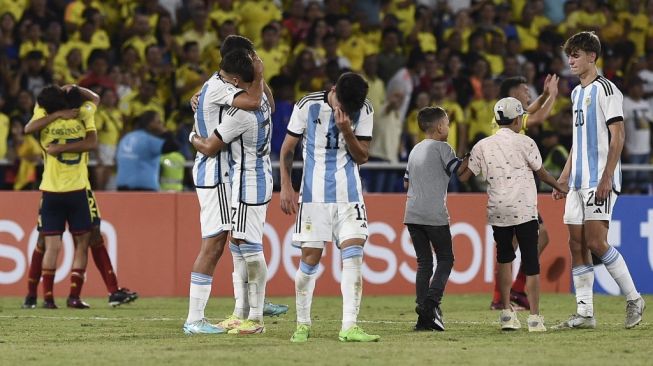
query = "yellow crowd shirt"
{"x": 69, "y": 171}
{"x": 108, "y": 124}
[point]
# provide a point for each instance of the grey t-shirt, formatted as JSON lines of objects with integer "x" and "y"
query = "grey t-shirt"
{"x": 430, "y": 165}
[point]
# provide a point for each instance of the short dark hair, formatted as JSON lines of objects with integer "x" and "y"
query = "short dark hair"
{"x": 351, "y": 91}
{"x": 52, "y": 98}
{"x": 239, "y": 62}
{"x": 34, "y": 55}
{"x": 186, "y": 47}
{"x": 97, "y": 54}
{"x": 144, "y": 119}
{"x": 583, "y": 41}
{"x": 509, "y": 83}
{"x": 74, "y": 98}
{"x": 428, "y": 117}
{"x": 269, "y": 27}
{"x": 234, "y": 42}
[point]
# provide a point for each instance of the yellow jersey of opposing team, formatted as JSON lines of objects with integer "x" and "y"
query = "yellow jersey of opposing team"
{"x": 69, "y": 171}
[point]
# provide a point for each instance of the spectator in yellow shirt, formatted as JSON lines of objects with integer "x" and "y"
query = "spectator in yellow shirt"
{"x": 161, "y": 72}
{"x": 222, "y": 11}
{"x": 314, "y": 41}
{"x": 190, "y": 75}
{"x": 109, "y": 124}
{"x": 273, "y": 55}
{"x": 28, "y": 153}
{"x": 480, "y": 112}
{"x": 200, "y": 32}
{"x": 142, "y": 36}
{"x": 33, "y": 42}
{"x": 72, "y": 72}
{"x": 255, "y": 14}
{"x": 351, "y": 46}
{"x": 136, "y": 103}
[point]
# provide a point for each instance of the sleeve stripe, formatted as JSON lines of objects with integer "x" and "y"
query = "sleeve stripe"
{"x": 218, "y": 134}
{"x": 449, "y": 164}
{"x": 609, "y": 83}
{"x": 607, "y": 88}
{"x": 364, "y": 138}
{"x": 294, "y": 134}
{"x": 614, "y": 120}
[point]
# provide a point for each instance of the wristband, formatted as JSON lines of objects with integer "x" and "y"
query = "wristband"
{"x": 191, "y": 135}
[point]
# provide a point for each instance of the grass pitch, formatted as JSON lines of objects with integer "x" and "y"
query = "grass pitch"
{"x": 148, "y": 332}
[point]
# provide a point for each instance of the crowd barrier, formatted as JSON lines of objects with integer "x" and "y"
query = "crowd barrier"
{"x": 153, "y": 239}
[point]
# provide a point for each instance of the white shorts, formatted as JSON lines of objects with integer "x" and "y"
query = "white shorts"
{"x": 581, "y": 206}
{"x": 247, "y": 222}
{"x": 214, "y": 209}
{"x": 321, "y": 222}
{"x": 107, "y": 154}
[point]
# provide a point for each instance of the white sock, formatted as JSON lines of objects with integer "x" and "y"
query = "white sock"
{"x": 351, "y": 284}
{"x": 239, "y": 278}
{"x": 616, "y": 266}
{"x": 200, "y": 291}
{"x": 304, "y": 286}
{"x": 257, "y": 273}
{"x": 584, "y": 283}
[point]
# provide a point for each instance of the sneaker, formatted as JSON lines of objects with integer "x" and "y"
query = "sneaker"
{"x": 29, "y": 303}
{"x": 520, "y": 299}
{"x": 577, "y": 321}
{"x": 202, "y": 326}
{"x": 357, "y": 334}
{"x": 49, "y": 304}
{"x": 437, "y": 319}
{"x": 509, "y": 320}
{"x": 634, "y": 310}
{"x": 425, "y": 315}
{"x": 302, "y": 333}
{"x": 122, "y": 296}
{"x": 249, "y": 327}
{"x": 231, "y": 322}
{"x": 536, "y": 323}
{"x": 270, "y": 309}
{"x": 76, "y": 303}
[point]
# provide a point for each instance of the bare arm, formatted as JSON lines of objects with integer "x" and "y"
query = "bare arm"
{"x": 87, "y": 94}
{"x": 550, "y": 180}
{"x": 40, "y": 123}
{"x": 358, "y": 149}
{"x": 564, "y": 177}
{"x": 617, "y": 136}
{"x": 465, "y": 175}
{"x": 268, "y": 94}
{"x": 87, "y": 144}
{"x": 288, "y": 201}
{"x": 537, "y": 103}
{"x": 208, "y": 146}
{"x": 547, "y": 99}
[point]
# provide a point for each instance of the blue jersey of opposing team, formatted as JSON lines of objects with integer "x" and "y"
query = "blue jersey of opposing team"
{"x": 215, "y": 98}
{"x": 248, "y": 134}
{"x": 595, "y": 107}
{"x": 330, "y": 173}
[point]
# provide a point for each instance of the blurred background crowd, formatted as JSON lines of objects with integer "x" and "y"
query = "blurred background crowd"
{"x": 152, "y": 56}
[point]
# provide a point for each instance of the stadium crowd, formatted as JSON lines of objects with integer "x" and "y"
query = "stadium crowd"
{"x": 152, "y": 56}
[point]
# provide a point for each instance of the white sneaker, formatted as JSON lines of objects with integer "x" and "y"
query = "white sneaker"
{"x": 634, "y": 310}
{"x": 536, "y": 323}
{"x": 577, "y": 322}
{"x": 509, "y": 320}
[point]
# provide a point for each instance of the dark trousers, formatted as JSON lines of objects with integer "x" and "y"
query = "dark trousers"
{"x": 426, "y": 240}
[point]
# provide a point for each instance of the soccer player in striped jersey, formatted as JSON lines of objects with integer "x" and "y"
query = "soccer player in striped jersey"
{"x": 336, "y": 126}
{"x": 247, "y": 134}
{"x": 593, "y": 173}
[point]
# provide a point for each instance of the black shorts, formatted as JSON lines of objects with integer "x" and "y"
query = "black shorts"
{"x": 77, "y": 208}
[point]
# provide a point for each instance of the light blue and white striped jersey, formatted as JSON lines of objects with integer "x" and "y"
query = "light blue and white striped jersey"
{"x": 595, "y": 107}
{"x": 249, "y": 134}
{"x": 215, "y": 98}
{"x": 330, "y": 173}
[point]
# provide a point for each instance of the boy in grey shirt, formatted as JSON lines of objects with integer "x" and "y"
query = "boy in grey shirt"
{"x": 430, "y": 165}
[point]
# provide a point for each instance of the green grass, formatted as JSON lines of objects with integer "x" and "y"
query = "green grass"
{"x": 149, "y": 333}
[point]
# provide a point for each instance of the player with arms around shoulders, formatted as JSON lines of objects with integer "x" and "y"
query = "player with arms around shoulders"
{"x": 336, "y": 127}
{"x": 248, "y": 136}
{"x": 76, "y": 99}
{"x": 593, "y": 174}
{"x": 65, "y": 135}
